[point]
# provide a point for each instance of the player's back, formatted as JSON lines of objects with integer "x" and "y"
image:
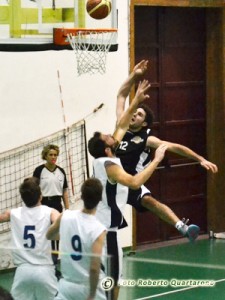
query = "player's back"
{"x": 78, "y": 231}
{"x": 28, "y": 229}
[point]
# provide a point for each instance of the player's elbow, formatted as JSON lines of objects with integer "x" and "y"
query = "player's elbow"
{"x": 134, "y": 184}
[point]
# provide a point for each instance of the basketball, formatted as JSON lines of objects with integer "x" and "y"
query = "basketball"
{"x": 99, "y": 9}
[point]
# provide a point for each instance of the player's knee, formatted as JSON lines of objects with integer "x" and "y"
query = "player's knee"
{"x": 149, "y": 202}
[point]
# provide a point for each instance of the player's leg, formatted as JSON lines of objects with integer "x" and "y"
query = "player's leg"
{"x": 115, "y": 251}
{"x": 167, "y": 215}
{"x": 21, "y": 287}
{"x": 159, "y": 209}
{"x": 46, "y": 283}
{"x": 142, "y": 201}
{"x": 69, "y": 290}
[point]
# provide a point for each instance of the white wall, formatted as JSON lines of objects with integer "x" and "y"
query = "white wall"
{"x": 30, "y": 106}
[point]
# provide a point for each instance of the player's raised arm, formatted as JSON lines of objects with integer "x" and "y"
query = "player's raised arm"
{"x": 140, "y": 96}
{"x": 183, "y": 151}
{"x": 125, "y": 88}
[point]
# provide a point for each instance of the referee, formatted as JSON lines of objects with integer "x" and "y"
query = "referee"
{"x": 53, "y": 184}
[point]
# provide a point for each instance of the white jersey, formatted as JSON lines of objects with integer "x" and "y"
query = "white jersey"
{"x": 114, "y": 197}
{"x": 78, "y": 232}
{"x": 28, "y": 236}
{"x": 52, "y": 183}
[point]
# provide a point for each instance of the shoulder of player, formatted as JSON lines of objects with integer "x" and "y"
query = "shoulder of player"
{"x": 61, "y": 169}
{"x": 38, "y": 170}
{"x": 114, "y": 161}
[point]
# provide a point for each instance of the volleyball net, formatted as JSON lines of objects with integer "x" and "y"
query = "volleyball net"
{"x": 19, "y": 163}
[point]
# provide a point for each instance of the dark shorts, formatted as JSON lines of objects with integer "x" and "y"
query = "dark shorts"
{"x": 135, "y": 196}
{"x": 114, "y": 251}
{"x": 53, "y": 202}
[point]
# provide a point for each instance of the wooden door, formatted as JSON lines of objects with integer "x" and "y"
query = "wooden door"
{"x": 173, "y": 40}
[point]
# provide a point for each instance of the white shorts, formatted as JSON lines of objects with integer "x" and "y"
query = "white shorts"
{"x": 34, "y": 282}
{"x": 70, "y": 291}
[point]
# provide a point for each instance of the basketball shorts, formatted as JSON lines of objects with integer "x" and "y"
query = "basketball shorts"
{"x": 135, "y": 196}
{"x": 34, "y": 282}
{"x": 79, "y": 291}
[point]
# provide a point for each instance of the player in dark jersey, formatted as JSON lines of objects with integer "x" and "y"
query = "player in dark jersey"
{"x": 133, "y": 152}
{"x": 107, "y": 168}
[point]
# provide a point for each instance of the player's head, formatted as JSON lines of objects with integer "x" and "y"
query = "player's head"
{"x": 91, "y": 192}
{"x": 30, "y": 191}
{"x": 98, "y": 144}
{"x": 4, "y": 294}
{"x": 143, "y": 117}
{"x": 50, "y": 153}
{"x": 149, "y": 115}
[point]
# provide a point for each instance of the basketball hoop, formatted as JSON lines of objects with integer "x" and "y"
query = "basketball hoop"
{"x": 91, "y": 47}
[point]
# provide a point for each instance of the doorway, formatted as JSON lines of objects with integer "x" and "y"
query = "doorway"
{"x": 173, "y": 39}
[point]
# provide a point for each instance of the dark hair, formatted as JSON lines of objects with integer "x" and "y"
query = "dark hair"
{"x": 91, "y": 192}
{"x": 96, "y": 146}
{"x": 4, "y": 294}
{"x": 149, "y": 114}
{"x": 47, "y": 148}
{"x": 30, "y": 191}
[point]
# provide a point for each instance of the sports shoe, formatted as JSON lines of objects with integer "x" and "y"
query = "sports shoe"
{"x": 191, "y": 231}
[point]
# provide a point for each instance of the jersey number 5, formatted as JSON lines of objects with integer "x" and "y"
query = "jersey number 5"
{"x": 29, "y": 237}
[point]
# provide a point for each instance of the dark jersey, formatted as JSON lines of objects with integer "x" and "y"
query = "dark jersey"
{"x": 132, "y": 151}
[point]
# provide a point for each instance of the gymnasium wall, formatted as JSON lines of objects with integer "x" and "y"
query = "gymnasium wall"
{"x": 30, "y": 99}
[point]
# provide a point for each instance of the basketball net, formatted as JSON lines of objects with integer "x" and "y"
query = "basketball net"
{"x": 91, "y": 48}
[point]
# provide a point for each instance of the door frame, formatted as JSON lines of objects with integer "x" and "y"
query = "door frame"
{"x": 215, "y": 98}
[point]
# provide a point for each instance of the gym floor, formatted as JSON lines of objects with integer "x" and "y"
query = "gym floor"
{"x": 153, "y": 271}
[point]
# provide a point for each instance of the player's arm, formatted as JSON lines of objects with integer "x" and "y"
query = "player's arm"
{"x": 53, "y": 231}
{"x": 126, "y": 117}
{"x": 125, "y": 88}
{"x": 116, "y": 173}
{"x": 5, "y": 217}
{"x": 65, "y": 197}
{"x": 96, "y": 264}
{"x": 183, "y": 151}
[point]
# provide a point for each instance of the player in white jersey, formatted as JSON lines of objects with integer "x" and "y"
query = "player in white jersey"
{"x": 116, "y": 181}
{"x": 136, "y": 142}
{"x": 35, "y": 274}
{"x": 82, "y": 238}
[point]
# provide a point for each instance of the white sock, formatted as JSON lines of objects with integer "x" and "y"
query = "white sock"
{"x": 179, "y": 224}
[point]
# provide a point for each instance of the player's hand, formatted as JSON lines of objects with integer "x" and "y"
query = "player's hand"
{"x": 141, "y": 67}
{"x": 209, "y": 166}
{"x": 160, "y": 152}
{"x": 143, "y": 87}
